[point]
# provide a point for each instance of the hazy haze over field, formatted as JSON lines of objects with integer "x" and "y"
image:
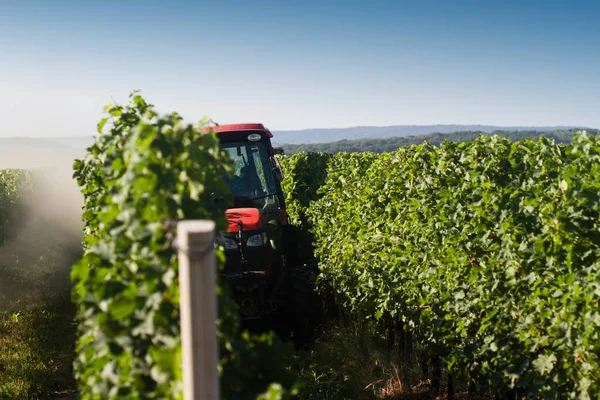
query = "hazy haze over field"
{"x": 48, "y": 239}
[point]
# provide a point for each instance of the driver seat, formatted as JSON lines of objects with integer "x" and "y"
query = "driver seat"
{"x": 252, "y": 181}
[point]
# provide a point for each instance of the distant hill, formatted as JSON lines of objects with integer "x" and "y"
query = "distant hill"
{"x": 79, "y": 142}
{"x": 76, "y": 142}
{"x": 308, "y": 136}
{"x": 393, "y": 143}
{"x": 373, "y": 138}
{"x": 38, "y": 143}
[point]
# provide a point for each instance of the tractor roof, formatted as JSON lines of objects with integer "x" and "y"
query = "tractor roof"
{"x": 240, "y": 128}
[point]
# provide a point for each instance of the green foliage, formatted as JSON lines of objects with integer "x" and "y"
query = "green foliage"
{"x": 14, "y": 186}
{"x": 144, "y": 174}
{"x": 488, "y": 250}
{"x": 304, "y": 174}
{"x": 146, "y": 171}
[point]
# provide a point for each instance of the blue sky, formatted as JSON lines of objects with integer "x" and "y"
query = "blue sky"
{"x": 300, "y": 64}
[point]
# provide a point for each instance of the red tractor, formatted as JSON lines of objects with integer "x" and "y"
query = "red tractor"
{"x": 263, "y": 270}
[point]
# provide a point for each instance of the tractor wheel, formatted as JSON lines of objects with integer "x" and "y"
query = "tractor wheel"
{"x": 298, "y": 245}
{"x": 302, "y": 305}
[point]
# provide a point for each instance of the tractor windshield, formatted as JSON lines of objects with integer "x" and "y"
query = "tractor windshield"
{"x": 252, "y": 183}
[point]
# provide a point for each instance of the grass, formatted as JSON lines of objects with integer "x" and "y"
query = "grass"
{"x": 37, "y": 329}
{"x": 349, "y": 362}
{"x": 352, "y": 360}
{"x": 37, "y": 351}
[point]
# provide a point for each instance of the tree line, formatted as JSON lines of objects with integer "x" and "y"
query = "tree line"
{"x": 390, "y": 144}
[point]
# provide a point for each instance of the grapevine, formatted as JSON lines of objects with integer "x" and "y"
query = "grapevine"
{"x": 487, "y": 251}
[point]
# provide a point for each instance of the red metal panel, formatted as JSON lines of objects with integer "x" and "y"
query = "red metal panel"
{"x": 240, "y": 127}
{"x": 251, "y": 218}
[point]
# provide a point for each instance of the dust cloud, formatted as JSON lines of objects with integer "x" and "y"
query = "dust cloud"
{"x": 44, "y": 242}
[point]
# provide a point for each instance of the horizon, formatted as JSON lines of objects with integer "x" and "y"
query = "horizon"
{"x": 502, "y": 127}
{"x": 62, "y": 140}
{"x": 294, "y": 67}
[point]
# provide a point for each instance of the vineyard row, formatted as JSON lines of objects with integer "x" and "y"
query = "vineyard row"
{"x": 487, "y": 252}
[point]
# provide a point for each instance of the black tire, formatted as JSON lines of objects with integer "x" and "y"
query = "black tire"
{"x": 298, "y": 247}
{"x": 301, "y": 306}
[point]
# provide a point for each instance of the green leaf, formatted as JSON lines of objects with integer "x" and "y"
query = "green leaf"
{"x": 543, "y": 364}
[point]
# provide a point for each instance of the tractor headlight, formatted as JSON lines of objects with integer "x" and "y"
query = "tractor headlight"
{"x": 260, "y": 239}
{"x": 230, "y": 244}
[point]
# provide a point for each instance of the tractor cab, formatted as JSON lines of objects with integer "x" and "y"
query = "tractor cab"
{"x": 257, "y": 174}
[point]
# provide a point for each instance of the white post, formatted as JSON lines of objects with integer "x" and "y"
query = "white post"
{"x": 198, "y": 309}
